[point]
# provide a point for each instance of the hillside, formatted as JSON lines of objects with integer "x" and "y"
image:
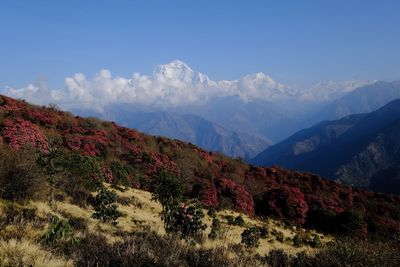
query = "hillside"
{"x": 360, "y": 150}
{"x": 58, "y": 159}
{"x": 194, "y": 129}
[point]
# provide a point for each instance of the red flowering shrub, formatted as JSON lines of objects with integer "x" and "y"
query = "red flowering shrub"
{"x": 89, "y": 145}
{"x": 208, "y": 196}
{"x": 21, "y": 132}
{"x": 242, "y": 200}
{"x": 285, "y": 202}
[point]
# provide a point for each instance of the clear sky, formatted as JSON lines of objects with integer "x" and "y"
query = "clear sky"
{"x": 295, "y": 41}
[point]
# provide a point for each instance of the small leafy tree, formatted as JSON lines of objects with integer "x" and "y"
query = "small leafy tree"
{"x": 105, "y": 207}
{"x": 167, "y": 189}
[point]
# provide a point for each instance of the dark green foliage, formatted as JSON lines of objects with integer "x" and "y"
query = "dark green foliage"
{"x": 20, "y": 178}
{"x": 59, "y": 230}
{"x": 320, "y": 218}
{"x": 215, "y": 228}
{"x": 251, "y": 237}
{"x": 146, "y": 158}
{"x": 263, "y": 232}
{"x": 297, "y": 240}
{"x": 122, "y": 172}
{"x": 351, "y": 223}
{"x": 105, "y": 207}
{"x": 90, "y": 123}
{"x": 230, "y": 219}
{"x": 212, "y": 213}
{"x": 238, "y": 220}
{"x": 315, "y": 242}
{"x": 185, "y": 220}
{"x": 53, "y": 162}
{"x": 167, "y": 189}
{"x": 86, "y": 167}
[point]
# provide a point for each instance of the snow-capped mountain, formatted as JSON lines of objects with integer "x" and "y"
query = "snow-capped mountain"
{"x": 178, "y": 70}
{"x": 258, "y": 86}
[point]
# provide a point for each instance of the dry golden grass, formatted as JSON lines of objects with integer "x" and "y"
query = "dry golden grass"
{"x": 139, "y": 212}
{"x": 26, "y": 253}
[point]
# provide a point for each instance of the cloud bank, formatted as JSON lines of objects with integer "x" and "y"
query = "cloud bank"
{"x": 170, "y": 85}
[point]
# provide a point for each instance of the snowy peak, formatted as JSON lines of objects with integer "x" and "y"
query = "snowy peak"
{"x": 180, "y": 71}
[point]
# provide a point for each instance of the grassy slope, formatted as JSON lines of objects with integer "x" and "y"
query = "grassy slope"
{"x": 139, "y": 212}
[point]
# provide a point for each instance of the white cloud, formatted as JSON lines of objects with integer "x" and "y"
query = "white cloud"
{"x": 170, "y": 85}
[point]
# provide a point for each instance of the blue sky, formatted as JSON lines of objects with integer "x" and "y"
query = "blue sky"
{"x": 296, "y": 42}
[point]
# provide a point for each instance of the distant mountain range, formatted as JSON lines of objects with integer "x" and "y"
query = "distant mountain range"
{"x": 360, "y": 150}
{"x": 237, "y": 117}
{"x": 195, "y": 129}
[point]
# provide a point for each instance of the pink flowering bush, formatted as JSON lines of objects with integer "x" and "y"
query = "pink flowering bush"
{"x": 242, "y": 200}
{"x": 20, "y": 133}
{"x": 208, "y": 196}
{"x": 286, "y": 202}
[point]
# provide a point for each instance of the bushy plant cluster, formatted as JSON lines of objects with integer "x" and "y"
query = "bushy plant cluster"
{"x": 242, "y": 200}
{"x": 105, "y": 206}
{"x": 286, "y": 202}
{"x": 184, "y": 219}
{"x": 20, "y": 133}
{"x": 215, "y": 228}
{"x": 167, "y": 189}
{"x": 251, "y": 237}
{"x": 58, "y": 230}
{"x": 238, "y": 220}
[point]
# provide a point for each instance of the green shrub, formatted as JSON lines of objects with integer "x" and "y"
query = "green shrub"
{"x": 297, "y": 240}
{"x": 185, "y": 220}
{"x": 166, "y": 189}
{"x": 263, "y": 232}
{"x": 59, "y": 230}
{"x": 215, "y": 228}
{"x": 122, "y": 173}
{"x": 352, "y": 223}
{"x": 105, "y": 207}
{"x": 238, "y": 220}
{"x": 315, "y": 242}
{"x": 251, "y": 237}
{"x": 87, "y": 168}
